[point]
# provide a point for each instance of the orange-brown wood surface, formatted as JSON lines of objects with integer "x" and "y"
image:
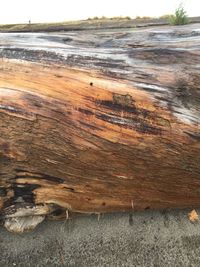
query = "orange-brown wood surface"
{"x": 88, "y": 137}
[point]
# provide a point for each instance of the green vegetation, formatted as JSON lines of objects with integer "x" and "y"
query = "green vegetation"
{"x": 180, "y": 17}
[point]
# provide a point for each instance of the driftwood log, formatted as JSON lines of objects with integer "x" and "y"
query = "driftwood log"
{"x": 98, "y": 121}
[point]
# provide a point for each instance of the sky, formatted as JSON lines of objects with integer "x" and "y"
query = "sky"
{"x": 21, "y": 11}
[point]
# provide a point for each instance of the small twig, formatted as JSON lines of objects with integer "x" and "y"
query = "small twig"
{"x": 67, "y": 214}
{"x": 132, "y": 204}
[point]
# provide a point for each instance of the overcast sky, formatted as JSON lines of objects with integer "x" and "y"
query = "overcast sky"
{"x": 20, "y": 11}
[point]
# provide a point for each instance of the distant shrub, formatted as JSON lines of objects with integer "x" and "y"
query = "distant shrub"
{"x": 180, "y": 17}
{"x": 94, "y": 18}
{"x": 144, "y": 18}
{"x": 166, "y": 16}
{"x": 147, "y": 17}
{"x": 110, "y": 18}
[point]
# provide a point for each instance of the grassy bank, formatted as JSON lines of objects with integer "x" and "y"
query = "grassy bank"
{"x": 90, "y": 24}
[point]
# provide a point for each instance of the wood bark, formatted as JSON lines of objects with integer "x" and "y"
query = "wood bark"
{"x": 95, "y": 122}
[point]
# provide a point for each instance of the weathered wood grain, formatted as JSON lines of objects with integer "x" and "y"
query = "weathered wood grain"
{"x": 99, "y": 122}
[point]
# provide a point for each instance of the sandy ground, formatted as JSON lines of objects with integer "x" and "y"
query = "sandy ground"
{"x": 151, "y": 238}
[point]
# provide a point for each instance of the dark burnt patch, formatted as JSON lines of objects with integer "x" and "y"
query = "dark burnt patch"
{"x": 126, "y": 104}
{"x": 15, "y": 110}
{"x": 23, "y": 192}
{"x": 70, "y": 189}
{"x": 96, "y": 62}
{"x": 57, "y": 213}
{"x": 138, "y": 119}
{"x": 165, "y": 56}
{"x": 136, "y": 124}
{"x": 119, "y": 103}
{"x": 31, "y": 55}
{"x": 92, "y": 127}
{"x": 183, "y": 34}
{"x": 86, "y": 111}
{"x": 58, "y": 76}
{"x": 5, "y": 160}
{"x": 52, "y": 178}
{"x": 57, "y": 39}
{"x": 115, "y": 64}
{"x": 187, "y": 92}
{"x": 56, "y": 107}
{"x": 3, "y": 191}
{"x": 34, "y": 100}
{"x": 26, "y": 174}
{"x": 67, "y": 39}
{"x": 195, "y": 136}
{"x": 115, "y": 106}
